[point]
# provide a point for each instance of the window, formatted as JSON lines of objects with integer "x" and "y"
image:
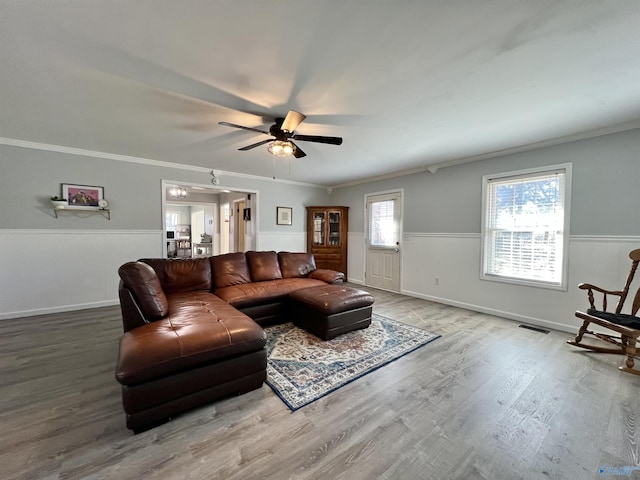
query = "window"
{"x": 171, "y": 220}
{"x": 525, "y": 226}
{"x": 384, "y": 222}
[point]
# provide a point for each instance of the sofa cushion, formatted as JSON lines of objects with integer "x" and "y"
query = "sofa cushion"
{"x": 230, "y": 269}
{"x": 259, "y": 293}
{"x": 142, "y": 280}
{"x": 624, "y": 319}
{"x": 184, "y": 275}
{"x": 295, "y": 265}
{"x": 201, "y": 328}
{"x": 263, "y": 266}
{"x": 326, "y": 275}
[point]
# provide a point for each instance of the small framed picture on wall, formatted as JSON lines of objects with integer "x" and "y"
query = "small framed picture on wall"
{"x": 284, "y": 215}
{"x": 82, "y": 196}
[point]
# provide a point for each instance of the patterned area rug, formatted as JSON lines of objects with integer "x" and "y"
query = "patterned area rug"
{"x": 302, "y": 368}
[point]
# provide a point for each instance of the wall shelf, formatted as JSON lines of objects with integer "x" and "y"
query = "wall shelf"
{"x": 82, "y": 212}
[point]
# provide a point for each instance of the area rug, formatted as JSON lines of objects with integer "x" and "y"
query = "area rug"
{"x": 302, "y": 368}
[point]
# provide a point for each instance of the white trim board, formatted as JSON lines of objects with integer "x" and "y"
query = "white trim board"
{"x": 490, "y": 311}
{"x": 70, "y": 231}
{"x": 58, "y": 309}
{"x": 143, "y": 161}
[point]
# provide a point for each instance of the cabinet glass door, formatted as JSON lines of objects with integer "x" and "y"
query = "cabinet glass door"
{"x": 334, "y": 228}
{"x": 318, "y": 228}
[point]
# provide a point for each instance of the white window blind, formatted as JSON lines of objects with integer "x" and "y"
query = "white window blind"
{"x": 524, "y": 227}
{"x": 383, "y": 226}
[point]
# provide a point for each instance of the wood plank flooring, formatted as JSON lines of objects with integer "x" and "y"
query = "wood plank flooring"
{"x": 488, "y": 400}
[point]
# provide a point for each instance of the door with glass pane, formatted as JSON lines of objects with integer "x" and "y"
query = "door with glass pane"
{"x": 382, "y": 260}
{"x": 319, "y": 230}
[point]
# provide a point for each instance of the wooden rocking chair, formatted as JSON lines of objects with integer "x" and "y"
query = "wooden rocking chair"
{"x": 627, "y": 326}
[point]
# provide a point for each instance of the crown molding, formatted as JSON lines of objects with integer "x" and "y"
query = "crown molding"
{"x": 619, "y": 128}
{"x": 401, "y": 173}
{"x": 143, "y": 161}
{"x": 431, "y": 168}
{"x": 434, "y": 167}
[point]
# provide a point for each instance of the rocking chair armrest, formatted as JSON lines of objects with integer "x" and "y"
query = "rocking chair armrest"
{"x": 590, "y": 288}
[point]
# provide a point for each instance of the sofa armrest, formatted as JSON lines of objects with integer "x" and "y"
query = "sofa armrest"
{"x": 144, "y": 289}
{"x": 132, "y": 316}
{"x": 329, "y": 276}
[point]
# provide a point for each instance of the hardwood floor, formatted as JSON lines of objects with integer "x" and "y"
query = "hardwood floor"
{"x": 488, "y": 400}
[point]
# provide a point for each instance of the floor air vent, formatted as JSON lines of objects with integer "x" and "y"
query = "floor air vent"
{"x": 535, "y": 329}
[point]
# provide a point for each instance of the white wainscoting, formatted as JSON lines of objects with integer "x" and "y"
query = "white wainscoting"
{"x": 48, "y": 271}
{"x": 455, "y": 260}
{"x": 355, "y": 257}
{"x": 282, "y": 241}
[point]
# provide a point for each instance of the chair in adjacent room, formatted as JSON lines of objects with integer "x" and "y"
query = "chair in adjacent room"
{"x": 626, "y": 326}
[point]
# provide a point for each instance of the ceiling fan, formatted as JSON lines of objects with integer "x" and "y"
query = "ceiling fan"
{"x": 283, "y": 132}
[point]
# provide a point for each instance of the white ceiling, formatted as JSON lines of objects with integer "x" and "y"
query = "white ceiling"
{"x": 407, "y": 84}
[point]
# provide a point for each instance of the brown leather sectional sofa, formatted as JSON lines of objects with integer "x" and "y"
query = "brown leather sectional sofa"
{"x": 193, "y": 327}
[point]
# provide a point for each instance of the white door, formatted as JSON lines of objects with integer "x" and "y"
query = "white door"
{"x": 382, "y": 260}
{"x": 197, "y": 224}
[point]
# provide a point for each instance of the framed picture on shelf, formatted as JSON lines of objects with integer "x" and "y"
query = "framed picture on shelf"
{"x": 82, "y": 196}
{"x": 284, "y": 215}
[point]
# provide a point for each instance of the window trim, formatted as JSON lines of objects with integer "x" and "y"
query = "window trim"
{"x": 563, "y": 284}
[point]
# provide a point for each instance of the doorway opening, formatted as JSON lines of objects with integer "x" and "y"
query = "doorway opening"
{"x": 239, "y": 225}
{"x": 225, "y": 228}
{"x": 202, "y": 224}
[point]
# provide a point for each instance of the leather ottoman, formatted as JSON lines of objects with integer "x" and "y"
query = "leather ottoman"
{"x": 331, "y": 310}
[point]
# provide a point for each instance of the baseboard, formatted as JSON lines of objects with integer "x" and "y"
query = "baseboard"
{"x": 498, "y": 313}
{"x": 58, "y": 309}
{"x": 476, "y": 308}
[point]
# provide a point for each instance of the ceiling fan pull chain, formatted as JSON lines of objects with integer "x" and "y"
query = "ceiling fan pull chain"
{"x": 274, "y": 166}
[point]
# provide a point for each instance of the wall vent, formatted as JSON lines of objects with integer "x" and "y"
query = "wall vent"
{"x": 535, "y": 329}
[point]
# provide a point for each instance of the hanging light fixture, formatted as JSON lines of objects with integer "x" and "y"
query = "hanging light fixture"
{"x": 281, "y": 148}
{"x": 178, "y": 192}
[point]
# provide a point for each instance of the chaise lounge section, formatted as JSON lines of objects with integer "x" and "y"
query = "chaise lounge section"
{"x": 192, "y": 328}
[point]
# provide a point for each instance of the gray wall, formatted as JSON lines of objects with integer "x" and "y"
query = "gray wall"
{"x": 442, "y": 218}
{"x": 605, "y": 190}
{"x": 28, "y": 177}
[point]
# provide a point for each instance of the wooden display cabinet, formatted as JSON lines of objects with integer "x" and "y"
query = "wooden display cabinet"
{"x": 327, "y": 229}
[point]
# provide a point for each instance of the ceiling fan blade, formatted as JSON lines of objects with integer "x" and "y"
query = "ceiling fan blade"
{"x": 292, "y": 120}
{"x": 319, "y": 139}
{"x": 227, "y": 124}
{"x": 249, "y": 147}
{"x": 298, "y": 153}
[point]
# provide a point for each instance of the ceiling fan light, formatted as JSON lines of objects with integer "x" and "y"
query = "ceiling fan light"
{"x": 281, "y": 148}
